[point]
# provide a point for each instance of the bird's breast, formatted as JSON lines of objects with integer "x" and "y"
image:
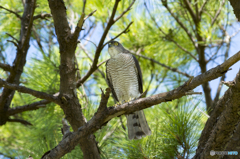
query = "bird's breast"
{"x": 123, "y": 76}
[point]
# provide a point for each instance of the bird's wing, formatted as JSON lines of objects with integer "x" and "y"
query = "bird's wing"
{"x": 109, "y": 81}
{"x": 139, "y": 74}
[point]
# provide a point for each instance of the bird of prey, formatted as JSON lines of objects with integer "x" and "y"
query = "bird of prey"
{"x": 124, "y": 77}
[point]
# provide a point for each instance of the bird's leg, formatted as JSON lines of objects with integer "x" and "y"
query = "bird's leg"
{"x": 131, "y": 99}
{"x": 119, "y": 103}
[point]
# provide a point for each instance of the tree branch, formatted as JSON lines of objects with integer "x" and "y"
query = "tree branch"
{"x": 125, "y": 11}
{"x": 20, "y": 59}
{"x": 189, "y": 8}
{"x": 6, "y": 67}
{"x": 165, "y": 34}
{"x": 180, "y": 23}
{"x": 163, "y": 65}
{"x": 223, "y": 123}
{"x": 91, "y": 59}
{"x": 123, "y": 32}
{"x": 217, "y": 13}
{"x": 42, "y": 16}
{"x": 27, "y": 107}
{"x": 35, "y": 93}
{"x": 236, "y": 8}
{"x": 202, "y": 8}
{"x": 15, "y": 13}
{"x": 13, "y": 37}
{"x": 81, "y": 20}
{"x": 103, "y": 116}
{"x": 24, "y": 122}
{"x": 89, "y": 15}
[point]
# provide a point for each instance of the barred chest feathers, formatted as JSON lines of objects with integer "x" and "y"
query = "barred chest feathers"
{"x": 124, "y": 76}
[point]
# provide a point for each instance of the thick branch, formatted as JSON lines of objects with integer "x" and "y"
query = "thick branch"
{"x": 236, "y": 8}
{"x": 223, "y": 122}
{"x": 27, "y": 107}
{"x": 70, "y": 105}
{"x": 104, "y": 116}
{"x": 20, "y": 60}
{"x": 234, "y": 143}
{"x": 42, "y": 16}
{"x": 6, "y": 67}
{"x": 190, "y": 10}
{"x": 23, "y": 89}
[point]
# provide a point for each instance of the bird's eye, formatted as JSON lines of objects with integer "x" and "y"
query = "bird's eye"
{"x": 116, "y": 44}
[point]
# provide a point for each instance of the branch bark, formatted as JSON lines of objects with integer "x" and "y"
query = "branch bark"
{"x": 6, "y": 67}
{"x": 20, "y": 60}
{"x": 27, "y": 107}
{"x": 236, "y": 8}
{"x": 35, "y": 93}
{"x": 220, "y": 127}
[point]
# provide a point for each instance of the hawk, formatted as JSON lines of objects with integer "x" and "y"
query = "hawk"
{"x": 124, "y": 77}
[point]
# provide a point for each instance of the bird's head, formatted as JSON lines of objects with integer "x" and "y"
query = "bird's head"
{"x": 115, "y": 48}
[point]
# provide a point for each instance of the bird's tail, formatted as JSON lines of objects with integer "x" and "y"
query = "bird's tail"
{"x": 137, "y": 125}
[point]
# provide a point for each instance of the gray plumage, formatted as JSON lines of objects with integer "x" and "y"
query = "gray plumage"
{"x": 124, "y": 77}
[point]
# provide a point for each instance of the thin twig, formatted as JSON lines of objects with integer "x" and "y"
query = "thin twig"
{"x": 185, "y": 50}
{"x": 125, "y": 11}
{"x": 81, "y": 21}
{"x": 202, "y": 7}
{"x": 89, "y": 15}
{"x": 13, "y": 37}
{"x": 123, "y": 32}
{"x": 84, "y": 5}
{"x": 24, "y": 122}
{"x": 91, "y": 59}
{"x": 217, "y": 13}
{"x": 159, "y": 28}
{"x": 181, "y": 24}
{"x": 14, "y": 43}
{"x": 102, "y": 63}
{"x": 163, "y": 65}
{"x": 15, "y": 13}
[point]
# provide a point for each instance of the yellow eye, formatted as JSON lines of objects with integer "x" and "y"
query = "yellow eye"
{"x": 116, "y": 43}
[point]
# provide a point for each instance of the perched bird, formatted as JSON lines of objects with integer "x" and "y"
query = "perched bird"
{"x": 124, "y": 77}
